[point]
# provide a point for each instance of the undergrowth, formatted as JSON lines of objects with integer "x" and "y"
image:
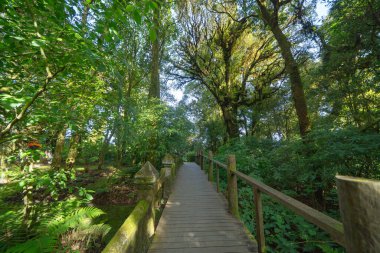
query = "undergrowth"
{"x": 293, "y": 167}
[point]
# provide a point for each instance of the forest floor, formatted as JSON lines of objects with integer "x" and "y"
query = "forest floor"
{"x": 112, "y": 190}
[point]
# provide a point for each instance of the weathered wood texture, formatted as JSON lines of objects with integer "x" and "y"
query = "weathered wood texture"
{"x": 328, "y": 224}
{"x": 210, "y": 168}
{"x": 260, "y": 237}
{"x": 196, "y": 219}
{"x": 232, "y": 191}
{"x": 359, "y": 201}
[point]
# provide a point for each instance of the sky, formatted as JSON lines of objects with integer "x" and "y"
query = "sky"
{"x": 322, "y": 11}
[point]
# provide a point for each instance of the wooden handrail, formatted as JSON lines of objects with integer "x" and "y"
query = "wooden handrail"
{"x": 323, "y": 221}
{"x": 137, "y": 230}
{"x": 221, "y": 165}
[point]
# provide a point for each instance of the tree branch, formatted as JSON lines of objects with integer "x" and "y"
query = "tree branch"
{"x": 25, "y": 108}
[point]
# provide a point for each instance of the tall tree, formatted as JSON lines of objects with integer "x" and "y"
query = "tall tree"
{"x": 154, "y": 89}
{"x": 270, "y": 13}
{"x": 238, "y": 67}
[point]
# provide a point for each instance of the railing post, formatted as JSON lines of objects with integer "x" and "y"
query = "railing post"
{"x": 201, "y": 160}
{"x": 260, "y": 237}
{"x": 232, "y": 186}
{"x": 168, "y": 175}
{"x": 168, "y": 161}
{"x": 145, "y": 180}
{"x": 359, "y": 202}
{"x": 210, "y": 167}
{"x": 217, "y": 178}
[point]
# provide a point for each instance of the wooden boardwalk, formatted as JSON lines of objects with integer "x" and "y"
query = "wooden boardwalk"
{"x": 196, "y": 219}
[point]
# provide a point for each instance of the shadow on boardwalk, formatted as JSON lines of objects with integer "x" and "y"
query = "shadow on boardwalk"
{"x": 196, "y": 219}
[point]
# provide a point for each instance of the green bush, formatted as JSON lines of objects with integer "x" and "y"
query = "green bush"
{"x": 298, "y": 168}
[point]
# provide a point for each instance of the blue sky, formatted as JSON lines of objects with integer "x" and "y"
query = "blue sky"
{"x": 322, "y": 9}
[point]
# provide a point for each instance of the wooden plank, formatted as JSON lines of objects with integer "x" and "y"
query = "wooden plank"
{"x": 186, "y": 235}
{"x": 195, "y": 212}
{"x": 204, "y": 238}
{"x": 224, "y": 249}
{"x": 198, "y": 244}
{"x": 194, "y": 229}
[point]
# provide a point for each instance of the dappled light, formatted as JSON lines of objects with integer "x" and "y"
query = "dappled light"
{"x": 190, "y": 126}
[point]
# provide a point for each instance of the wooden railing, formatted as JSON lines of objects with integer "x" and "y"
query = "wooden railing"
{"x": 361, "y": 234}
{"x": 134, "y": 236}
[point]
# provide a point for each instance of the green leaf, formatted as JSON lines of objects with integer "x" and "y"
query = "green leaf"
{"x": 137, "y": 17}
{"x": 38, "y": 43}
{"x": 130, "y": 8}
{"x": 152, "y": 35}
{"x": 17, "y": 37}
{"x": 153, "y": 5}
{"x": 77, "y": 35}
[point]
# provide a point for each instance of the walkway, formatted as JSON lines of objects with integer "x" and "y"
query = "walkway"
{"x": 196, "y": 219}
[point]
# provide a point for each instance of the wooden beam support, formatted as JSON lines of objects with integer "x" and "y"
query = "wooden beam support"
{"x": 260, "y": 237}
{"x": 232, "y": 190}
{"x": 201, "y": 160}
{"x": 217, "y": 178}
{"x": 210, "y": 167}
{"x": 359, "y": 201}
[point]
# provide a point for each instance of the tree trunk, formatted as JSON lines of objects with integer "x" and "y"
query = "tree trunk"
{"x": 154, "y": 89}
{"x": 3, "y": 168}
{"x": 292, "y": 69}
{"x": 73, "y": 151}
{"x": 28, "y": 200}
{"x": 102, "y": 154}
{"x": 104, "y": 148}
{"x": 230, "y": 121}
{"x": 270, "y": 18}
{"x": 60, "y": 144}
{"x": 119, "y": 157}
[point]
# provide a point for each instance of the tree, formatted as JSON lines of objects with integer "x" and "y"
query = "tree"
{"x": 154, "y": 89}
{"x": 350, "y": 57}
{"x": 238, "y": 67}
{"x": 270, "y": 13}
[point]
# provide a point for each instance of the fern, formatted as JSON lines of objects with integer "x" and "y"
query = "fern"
{"x": 64, "y": 231}
{"x": 43, "y": 244}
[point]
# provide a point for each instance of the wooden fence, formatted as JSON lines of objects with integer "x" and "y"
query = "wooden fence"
{"x": 359, "y": 201}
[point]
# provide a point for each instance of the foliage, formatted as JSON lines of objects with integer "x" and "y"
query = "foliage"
{"x": 76, "y": 79}
{"x": 285, "y": 166}
{"x": 67, "y": 227}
